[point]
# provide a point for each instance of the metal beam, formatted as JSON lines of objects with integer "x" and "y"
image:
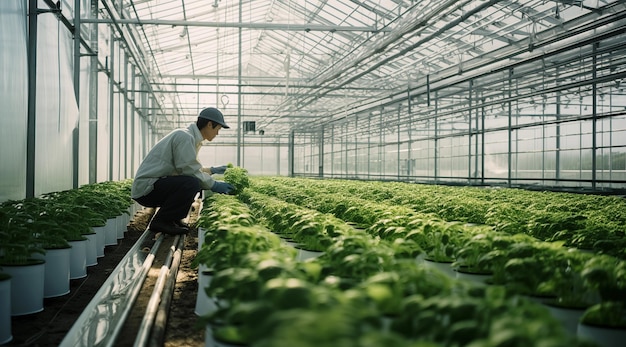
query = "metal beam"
{"x": 250, "y": 25}
{"x": 253, "y": 85}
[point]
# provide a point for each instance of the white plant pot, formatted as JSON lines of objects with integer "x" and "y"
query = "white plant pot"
{"x": 5, "y": 311}
{"x": 57, "y": 272}
{"x": 130, "y": 215}
{"x": 78, "y": 259}
{"x": 446, "y": 268}
{"x": 546, "y": 299}
{"x": 27, "y": 287}
{"x": 479, "y": 279}
{"x": 121, "y": 225}
{"x": 91, "y": 249}
{"x": 111, "y": 232}
{"x": 201, "y": 235}
{"x": 204, "y": 304}
{"x": 101, "y": 240}
{"x": 304, "y": 254}
{"x": 290, "y": 242}
{"x": 602, "y": 336}
{"x": 569, "y": 317}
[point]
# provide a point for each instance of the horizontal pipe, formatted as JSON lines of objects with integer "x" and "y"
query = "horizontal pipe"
{"x": 260, "y": 26}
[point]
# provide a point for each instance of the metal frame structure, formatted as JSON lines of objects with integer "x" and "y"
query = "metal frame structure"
{"x": 469, "y": 91}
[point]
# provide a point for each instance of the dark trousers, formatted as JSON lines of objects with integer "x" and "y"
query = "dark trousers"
{"x": 174, "y": 195}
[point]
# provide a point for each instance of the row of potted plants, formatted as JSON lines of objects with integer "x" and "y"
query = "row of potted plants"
{"x": 435, "y": 237}
{"x": 48, "y": 240}
{"x": 30, "y": 225}
{"x": 520, "y": 262}
{"x": 591, "y": 222}
{"x": 476, "y": 247}
{"x": 361, "y": 291}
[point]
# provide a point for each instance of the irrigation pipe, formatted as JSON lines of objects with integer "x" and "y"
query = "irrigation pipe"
{"x": 158, "y": 331}
{"x": 136, "y": 288}
{"x": 93, "y": 326}
{"x": 153, "y": 304}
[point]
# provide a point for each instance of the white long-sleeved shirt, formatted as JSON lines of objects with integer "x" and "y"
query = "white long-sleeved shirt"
{"x": 175, "y": 154}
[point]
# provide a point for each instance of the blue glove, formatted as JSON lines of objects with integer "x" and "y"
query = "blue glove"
{"x": 218, "y": 169}
{"x": 222, "y": 187}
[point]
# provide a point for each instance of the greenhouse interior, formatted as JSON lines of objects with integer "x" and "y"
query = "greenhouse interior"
{"x": 365, "y": 140}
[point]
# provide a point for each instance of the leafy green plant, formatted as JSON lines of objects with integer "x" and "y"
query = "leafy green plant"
{"x": 470, "y": 256}
{"x": 28, "y": 226}
{"x": 606, "y": 276}
{"x": 442, "y": 239}
{"x": 311, "y": 229}
{"x": 312, "y": 234}
{"x": 343, "y": 325}
{"x": 566, "y": 280}
{"x": 20, "y": 237}
{"x": 525, "y": 269}
{"x": 231, "y": 243}
{"x": 238, "y": 177}
{"x": 18, "y": 242}
{"x": 389, "y": 289}
{"x": 356, "y": 257}
{"x": 610, "y": 314}
{"x": 244, "y": 282}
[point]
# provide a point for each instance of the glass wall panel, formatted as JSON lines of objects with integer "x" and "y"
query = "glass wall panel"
{"x": 496, "y": 154}
{"x": 362, "y": 150}
{"x": 423, "y": 153}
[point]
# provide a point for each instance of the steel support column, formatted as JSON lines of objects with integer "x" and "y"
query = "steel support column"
{"x": 239, "y": 99}
{"x": 594, "y": 120}
{"x": 32, "y": 97}
{"x": 510, "y": 130}
{"x": 93, "y": 99}
{"x": 76, "y": 131}
{"x": 111, "y": 103}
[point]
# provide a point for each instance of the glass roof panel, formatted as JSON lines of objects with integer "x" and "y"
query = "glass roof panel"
{"x": 292, "y": 60}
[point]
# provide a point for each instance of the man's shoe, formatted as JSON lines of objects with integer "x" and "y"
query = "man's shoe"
{"x": 182, "y": 224}
{"x": 168, "y": 227}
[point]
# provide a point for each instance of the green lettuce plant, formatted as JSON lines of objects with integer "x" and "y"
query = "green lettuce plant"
{"x": 606, "y": 276}
{"x": 238, "y": 177}
{"x": 608, "y": 314}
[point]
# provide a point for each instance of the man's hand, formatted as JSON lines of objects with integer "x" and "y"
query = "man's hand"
{"x": 222, "y": 187}
{"x": 218, "y": 169}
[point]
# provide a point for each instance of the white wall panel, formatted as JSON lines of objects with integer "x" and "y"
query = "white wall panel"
{"x": 13, "y": 98}
{"x": 83, "y": 127}
{"x": 56, "y": 110}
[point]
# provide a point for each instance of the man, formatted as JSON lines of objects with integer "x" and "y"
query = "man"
{"x": 170, "y": 175}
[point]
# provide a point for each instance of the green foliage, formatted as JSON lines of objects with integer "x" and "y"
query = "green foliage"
{"x": 366, "y": 287}
{"x": 238, "y": 177}
{"x": 29, "y": 226}
{"x": 610, "y": 314}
